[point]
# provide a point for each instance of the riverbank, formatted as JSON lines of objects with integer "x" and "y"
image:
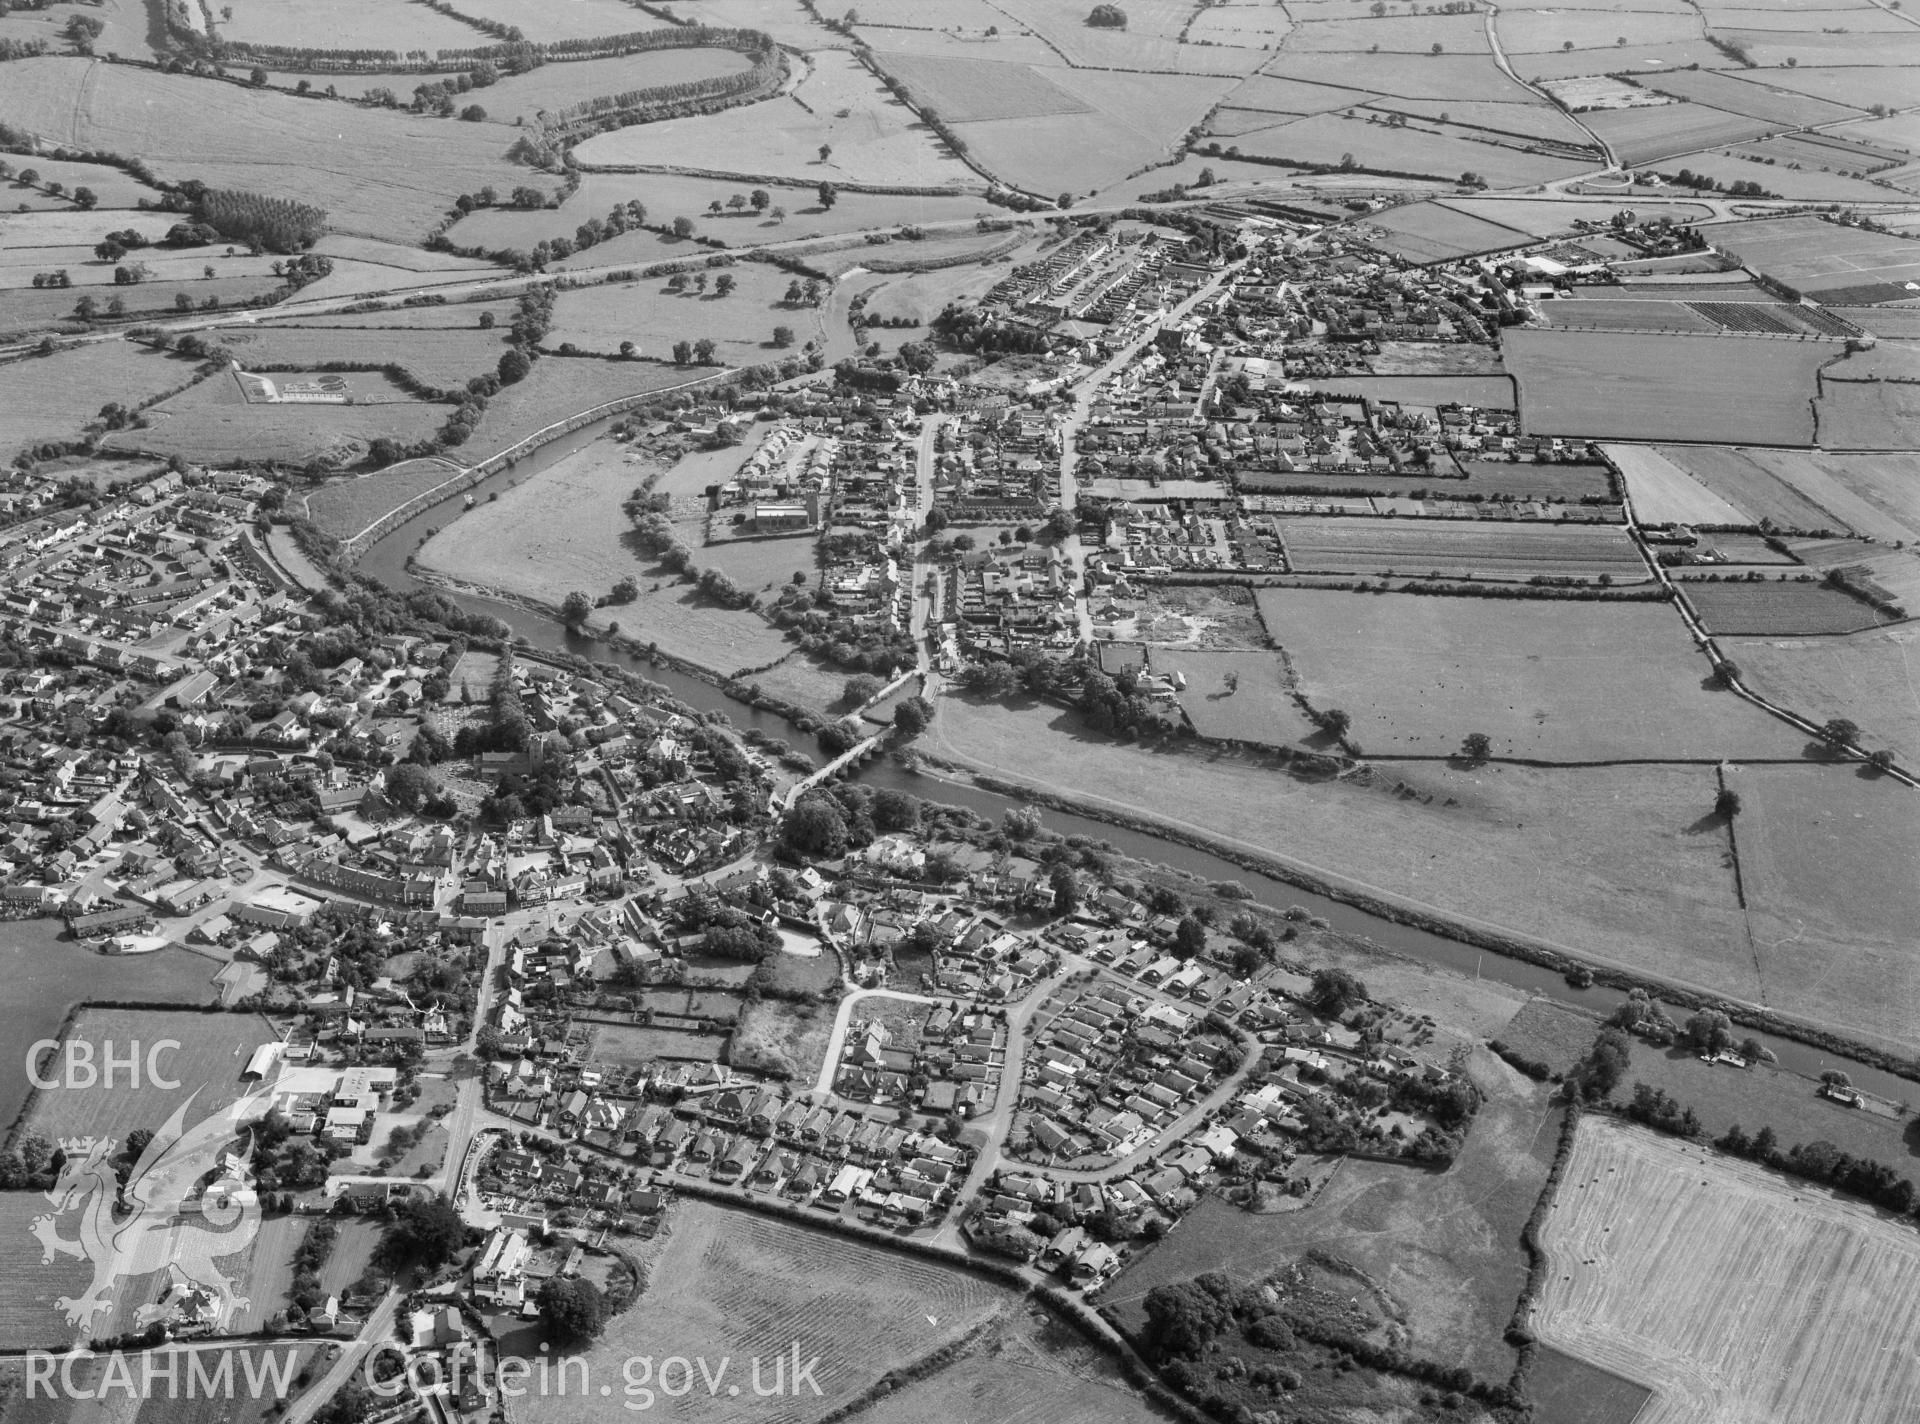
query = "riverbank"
{"x": 1397, "y": 909}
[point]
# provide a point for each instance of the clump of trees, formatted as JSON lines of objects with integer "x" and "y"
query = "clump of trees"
{"x": 1107, "y": 17}
{"x": 271, "y": 224}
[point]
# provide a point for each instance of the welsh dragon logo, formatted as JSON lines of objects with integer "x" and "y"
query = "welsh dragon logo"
{"x": 188, "y": 1202}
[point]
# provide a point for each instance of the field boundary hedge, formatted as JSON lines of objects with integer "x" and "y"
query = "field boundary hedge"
{"x": 1393, "y": 910}
{"x": 768, "y": 180}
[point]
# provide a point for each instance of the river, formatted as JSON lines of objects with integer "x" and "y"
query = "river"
{"x": 387, "y": 561}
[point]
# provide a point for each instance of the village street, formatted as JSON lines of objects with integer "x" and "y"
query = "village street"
{"x": 1084, "y": 392}
{"x": 377, "y": 1330}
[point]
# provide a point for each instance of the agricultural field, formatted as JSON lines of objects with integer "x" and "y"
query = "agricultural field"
{"x": 574, "y": 20}
{"x": 1606, "y": 861}
{"x": 1738, "y": 477}
{"x": 1703, "y": 1293}
{"x": 369, "y": 24}
{"x": 1644, "y": 314}
{"x": 345, "y": 507}
{"x": 1778, "y": 609}
{"x": 560, "y": 389}
{"x": 1821, "y": 258}
{"x": 738, "y": 1284}
{"x": 1443, "y": 1246}
{"x": 1251, "y": 26}
{"x": 1396, "y": 34}
{"x": 1258, "y": 708}
{"x": 1148, "y": 43}
{"x": 1485, "y": 549}
{"x": 89, "y": 274}
{"x": 60, "y": 395}
{"x": 1784, "y": 49}
{"x": 652, "y": 315}
{"x": 213, "y": 422}
{"x": 1633, "y": 59}
{"x": 1442, "y": 151}
{"x": 1417, "y": 673}
{"x": 1535, "y": 32}
{"x": 1866, "y": 678}
{"x": 1405, "y": 76}
{"x": 563, "y": 529}
{"x": 1859, "y": 415}
{"x": 29, "y": 1319}
{"x": 1750, "y": 96}
{"x": 117, "y": 189}
{"x": 1132, "y": 121}
{"x": 1663, "y": 493}
{"x": 73, "y": 227}
{"x": 1544, "y": 218}
{"x": 1748, "y": 163}
{"x": 1646, "y": 387}
{"x": 1502, "y": 120}
{"x": 759, "y": 564}
{"x": 26, "y": 310}
{"x": 212, "y": 1051}
{"x": 1846, "y": 83}
{"x": 1890, "y": 483}
{"x": 967, "y": 90}
{"x": 880, "y": 140}
{"x": 1642, "y": 135}
{"x": 1433, "y": 232}
{"x": 669, "y": 195}
{"x": 550, "y": 88}
{"x": 223, "y": 134}
{"x": 452, "y": 316}
{"x": 1822, "y": 478}
{"x": 446, "y": 359}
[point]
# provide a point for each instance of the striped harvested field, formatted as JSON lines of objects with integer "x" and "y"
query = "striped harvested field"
{"x": 1476, "y": 548}
{"x": 1737, "y": 1293}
